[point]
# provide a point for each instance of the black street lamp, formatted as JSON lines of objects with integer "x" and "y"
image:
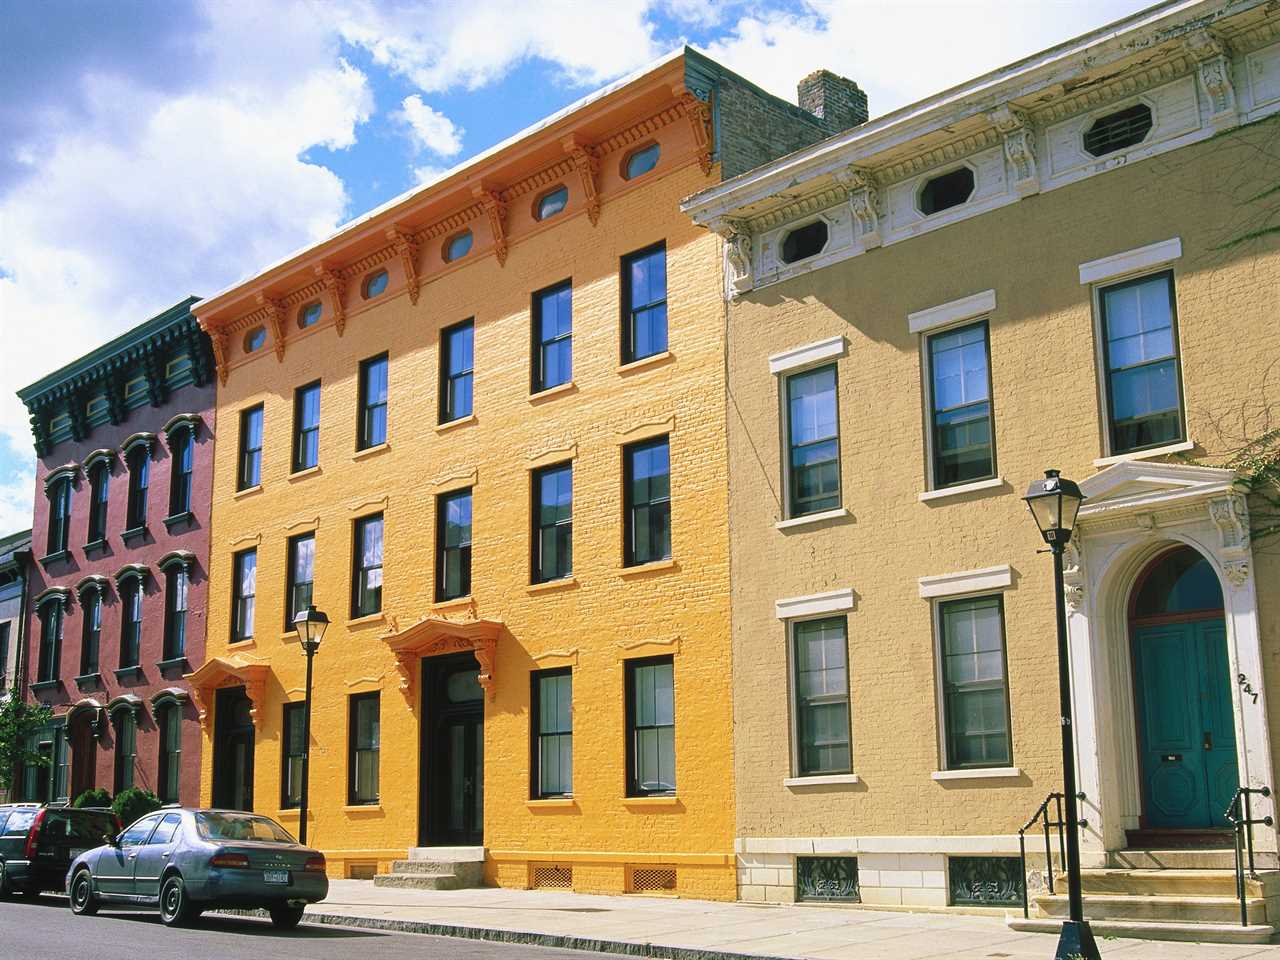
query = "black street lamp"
{"x": 310, "y": 625}
{"x": 1054, "y": 503}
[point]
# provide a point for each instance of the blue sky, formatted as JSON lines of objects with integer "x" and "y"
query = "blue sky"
{"x": 156, "y": 148}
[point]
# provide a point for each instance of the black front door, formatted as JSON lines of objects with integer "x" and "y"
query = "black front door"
{"x": 232, "y": 750}
{"x": 452, "y": 791}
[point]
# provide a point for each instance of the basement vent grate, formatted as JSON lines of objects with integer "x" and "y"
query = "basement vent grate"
{"x": 552, "y": 877}
{"x": 653, "y": 880}
{"x": 366, "y": 870}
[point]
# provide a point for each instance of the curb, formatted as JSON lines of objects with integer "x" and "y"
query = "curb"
{"x": 622, "y": 947}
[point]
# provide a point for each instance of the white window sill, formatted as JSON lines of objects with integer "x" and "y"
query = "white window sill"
{"x": 829, "y": 780}
{"x": 454, "y": 424}
{"x": 977, "y": 773}
{"x": 812, "y": 518}
{"x": 1182, "y": 447}
{"x": 957, "y": 491}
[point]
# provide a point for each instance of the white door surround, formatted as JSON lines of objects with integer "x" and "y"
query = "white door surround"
{"x": 1133, "y": 511}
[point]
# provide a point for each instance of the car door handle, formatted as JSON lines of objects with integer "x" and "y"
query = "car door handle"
{"x": 133, "y": 856}
{"x": 166, "y": 855}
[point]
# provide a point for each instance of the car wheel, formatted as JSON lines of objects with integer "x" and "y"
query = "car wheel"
{"x": 175, "y": 906}
{"x": 285, "y": 917}
{"x": 84, "y": 903}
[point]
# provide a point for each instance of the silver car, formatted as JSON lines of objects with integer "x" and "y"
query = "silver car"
{"x": 187, "y": 861}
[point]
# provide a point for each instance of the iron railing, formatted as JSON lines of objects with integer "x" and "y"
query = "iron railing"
{"x": 1240, "y": 815}
{"x": 1042, "y": 816}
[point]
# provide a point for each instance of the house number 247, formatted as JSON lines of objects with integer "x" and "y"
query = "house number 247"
{"x": 1246, "y": 686}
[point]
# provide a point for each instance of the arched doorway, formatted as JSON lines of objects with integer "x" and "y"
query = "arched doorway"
{"x": 1182, "y": 695}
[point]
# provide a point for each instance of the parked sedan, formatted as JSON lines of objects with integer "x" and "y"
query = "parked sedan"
{"x": 188, "y": 861}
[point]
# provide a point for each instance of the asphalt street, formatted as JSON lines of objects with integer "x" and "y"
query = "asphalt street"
{"x": 47, "y": 930}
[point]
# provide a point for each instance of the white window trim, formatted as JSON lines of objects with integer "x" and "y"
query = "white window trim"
{"x": 1181, "y": 447}
{"x": 955, "y": 311}
{"x": 985, "y": 580}
{"x": 814, "y": 605}
{"x": 961, "y": 488}
{"x": 1120, "y": 265}
{"x": 976, "y": 773}
{"x": 959, "y": 317}
{"x": 784, "y": 424}
{"x": 822, "y": 780}
{"x": 808, "y": 355}
{"x": 939, "y": 685}
{"x": 812, "y": 518}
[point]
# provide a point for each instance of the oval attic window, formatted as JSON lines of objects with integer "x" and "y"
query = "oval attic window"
{"x": 643, "y": 160}
{"x": 947, "y": 191}
{"x": 375, "y": 285}
{"x": 804, "y": 242}
{"x": 553, "y": 203}
{"x": 458, "y": 247}
{"x": 309, "y": 315}
{"x": 254, "y": 339}
{"x": 1118, "y": 130}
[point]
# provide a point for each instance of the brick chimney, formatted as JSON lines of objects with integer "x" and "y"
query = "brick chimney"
{"x": 837, "y": 101}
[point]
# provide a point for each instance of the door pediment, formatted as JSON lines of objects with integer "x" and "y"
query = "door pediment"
{"x": 1126, "y": 491}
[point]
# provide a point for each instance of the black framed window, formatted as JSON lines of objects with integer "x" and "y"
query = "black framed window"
{"x": 4, "y": 654}
{"x": 651, "y": 726}
{"x": 552, "y": 713}
{"x": 139, "y": 464}
{"x": 553, "y": 522}
{"x": 644, "y": 303}
{"x": 182, "y": 451}
{"x": 453, "y": 544}
{"x": 813, "y": 439}
{"x": 244, "y": 589}
{"x": 372, "y": 428}
{"x": 250, "y": 448}
{"x": 647, "y": 501}
{"x": 292, "y": 746}
{"x": 457, "y": 358}
{"x": 975, "y": 685}
{"x": 99, "y": 490}
{"x": 306, "y": 426}
{"x": 59, "y": 514}
{"x": 553, "y": 336}
{"x": 91, "y": 634}
{"x": 126, "y": 749}
{"x": 362, "y": 774}
{"x": 960, "y": 395}
{"x": 169, "y": 720}
{"x": 177, "y": 581}
{"x": 302, "y": 574}
{"x": 820, "y": 654}
{"x": 130, "y": 622}
{"x": 52, "y": 617}
{"x": 1140, "y": 339}
{"x": 366, "y": 579}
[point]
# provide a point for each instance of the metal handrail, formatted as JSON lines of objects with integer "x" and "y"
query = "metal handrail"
{"x": 1239, "y": 814}
{"x": 1042, "y": 816}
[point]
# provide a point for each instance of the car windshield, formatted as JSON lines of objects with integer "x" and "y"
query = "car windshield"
{"x": 80, "y": 827}
{"x": 240, "y": 827}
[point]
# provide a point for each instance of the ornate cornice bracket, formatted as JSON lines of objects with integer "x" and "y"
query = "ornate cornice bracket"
{"x": 699, "y": 114}
{"x": 407, "y": 249}
{"x": 587, "y": 163}
{"x": 274, "y": 310}
{"x": 1213, "y": 60}
{"x": 496, "y": 209}
{"x": 336, "y": 288}
{"x": 1073, "y": 575}
{"x": 1019, "y": 147}
{"x": 864, "y": 202}
{"x": 737, "y": 253}
{"x": 218, "y": 340}
{"x": 1230, "y": 514}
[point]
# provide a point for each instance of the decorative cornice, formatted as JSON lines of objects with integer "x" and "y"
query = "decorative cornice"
{"x": 131, "y": 571}
{"x": 336, "y": 288}
{"x": 587, "y": 162}
{"x": 801, "y": 207}
{"x": 698, "y": 113}
{"x": 68, "y": 471}
{"x": 496, "y": 209}
{"x": 950, "y": 152}
{"x": 451, "y": 478}
{"x": 191, "y": 421}
{"x": 179, "y": 558}
{"x": 93, "y": 581}
{"x": 125, "y": 701}
{"x": 273, "y": 312}
{"x": 174, "y": 695}
{"x": 1090, "y": 98}
{"x": 61, "y": 594}
{"x": 142, "y": 438}
{"x": 103, "y": 455}
{"x": 406, "y": 246}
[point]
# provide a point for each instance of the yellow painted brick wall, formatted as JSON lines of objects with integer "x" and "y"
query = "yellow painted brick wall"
{"x": 685, "y": 606}
{"x": 1046, "y": 415}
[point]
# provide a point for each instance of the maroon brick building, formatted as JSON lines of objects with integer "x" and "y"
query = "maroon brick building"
{"x": 116, "y": 611}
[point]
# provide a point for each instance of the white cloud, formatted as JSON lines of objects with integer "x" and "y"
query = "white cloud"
{"x": 16, "y": 483}
{"x": 429, "y": 129}
{"x": 428, "y": 172}
{"x": 444, "y": 45}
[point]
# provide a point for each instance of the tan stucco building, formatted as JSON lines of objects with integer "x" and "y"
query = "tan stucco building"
{"x": 1033, "y": 270}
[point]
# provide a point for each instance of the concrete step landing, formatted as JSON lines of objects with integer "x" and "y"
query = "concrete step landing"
{"x": 1147, "y": 930}
{"x": 436, "y": 868}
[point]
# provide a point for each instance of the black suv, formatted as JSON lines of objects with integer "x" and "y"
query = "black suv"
{"x": 38, "y": 843}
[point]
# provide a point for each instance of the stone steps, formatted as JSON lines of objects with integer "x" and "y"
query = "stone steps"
{"x": 1164, "y": 909}
{"x": 1147, "y": 930}
{"x": 1177, "y": 859}
{"x": 436, "y": 868}
{"x": 1169, "y": 883}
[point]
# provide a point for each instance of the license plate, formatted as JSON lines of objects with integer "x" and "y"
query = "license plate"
{"x": 275, "y": 876}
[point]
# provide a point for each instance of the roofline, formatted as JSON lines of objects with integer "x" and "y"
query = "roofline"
{"x": 129, "y": 338}
{"x": 212, "y": 302}
{"x": 916, "y": 119}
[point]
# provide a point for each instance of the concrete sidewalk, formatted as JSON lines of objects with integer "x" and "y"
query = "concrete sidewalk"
{"x": 698, "y": 930}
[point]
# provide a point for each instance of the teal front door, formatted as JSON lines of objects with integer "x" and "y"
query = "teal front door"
{"x": 1186, "y": 735}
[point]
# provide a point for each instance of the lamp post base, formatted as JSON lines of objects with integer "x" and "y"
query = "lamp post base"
{"x": 1076, "y": 942}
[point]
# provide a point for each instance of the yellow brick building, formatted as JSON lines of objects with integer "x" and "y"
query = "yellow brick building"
{"x": 1007, "y": 223}
{"x": 399, "y": 389}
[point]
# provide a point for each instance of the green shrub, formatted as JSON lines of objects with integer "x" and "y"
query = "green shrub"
{"x": 133, "y": 803}
{"x": 97, "y": 797}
